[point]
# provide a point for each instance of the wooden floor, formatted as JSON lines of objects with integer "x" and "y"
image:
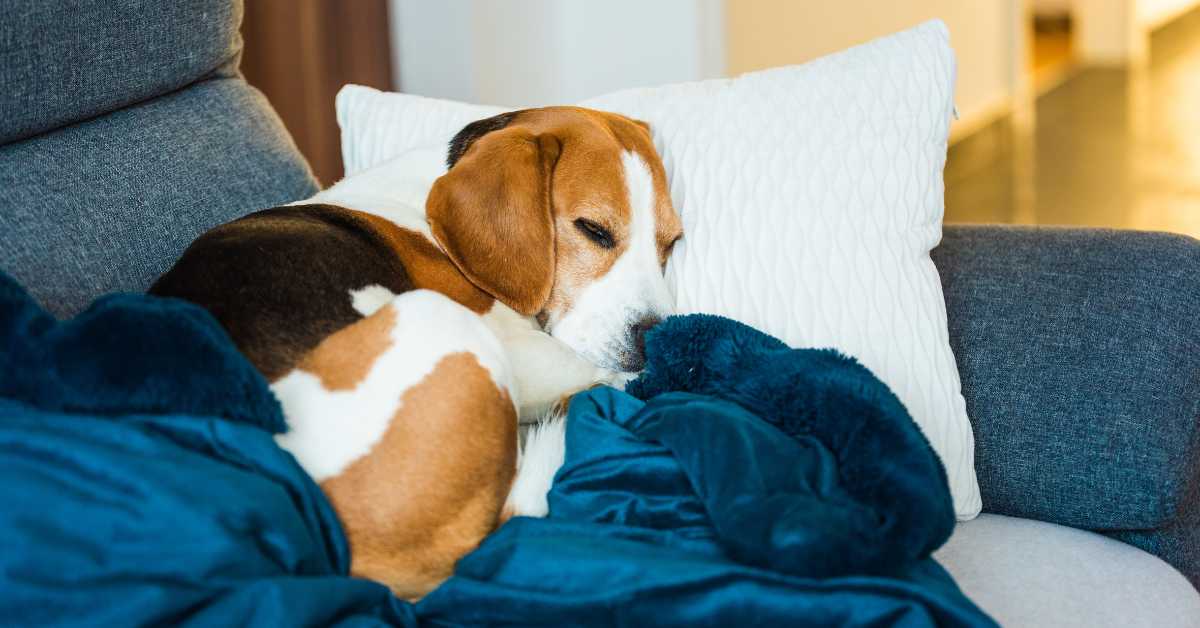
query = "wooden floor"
{"x": 1107, "y": 147}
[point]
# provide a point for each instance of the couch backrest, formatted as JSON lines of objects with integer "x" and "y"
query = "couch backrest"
{"x": 1079, "y": 351}
{"x": 65, "y": 62}
{"x": 125, "y": 132}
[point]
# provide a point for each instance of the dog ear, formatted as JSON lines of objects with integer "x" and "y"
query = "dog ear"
{"x": 464, "y": 139}
{"x": 492, "y": 215}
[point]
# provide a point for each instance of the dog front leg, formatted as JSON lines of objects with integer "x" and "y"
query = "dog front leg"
{"x": 546, "y": 370}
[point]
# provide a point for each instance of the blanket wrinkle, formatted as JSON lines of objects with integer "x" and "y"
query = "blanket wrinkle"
{"x": 884, "y": 461}
{"x": 128, "y": 354}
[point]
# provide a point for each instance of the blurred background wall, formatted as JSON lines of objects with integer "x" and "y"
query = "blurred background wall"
{"x": 765, "y": 33}
{"x": 1071, "y": 111}
{"x": 530, "y": 52}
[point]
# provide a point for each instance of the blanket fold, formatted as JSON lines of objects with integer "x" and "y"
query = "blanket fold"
{"x": 866, "y": 480}
{"x": 127, "y": 354}
{"x": 742, "y": 483}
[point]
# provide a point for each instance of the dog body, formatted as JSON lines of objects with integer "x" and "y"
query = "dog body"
{"x": 548, "y": 228}
{"x": 406, "y": 421}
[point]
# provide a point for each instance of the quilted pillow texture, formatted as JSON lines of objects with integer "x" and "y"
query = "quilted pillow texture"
{"x": 811, "y": 196}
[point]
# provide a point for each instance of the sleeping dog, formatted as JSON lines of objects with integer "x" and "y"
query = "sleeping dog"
{"x": 528, "y": 268}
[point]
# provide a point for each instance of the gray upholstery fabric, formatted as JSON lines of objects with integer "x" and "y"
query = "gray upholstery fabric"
{"x": 109, "y": 204}
{"x": 61, "y": 62}
{"x": 1080, "y": 359}
{"x": 1027, "y": 573}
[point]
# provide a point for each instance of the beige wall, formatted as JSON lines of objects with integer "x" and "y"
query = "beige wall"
{"x": 1155, "y": 13}
{"x": 1117, "y": 32}
{"x": 766, "y": 33}
{"x": 1107, "y": 32}
{"x": 525, "y": 53}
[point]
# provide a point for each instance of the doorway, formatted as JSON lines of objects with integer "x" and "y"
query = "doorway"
{"x": 1051, "y": 32}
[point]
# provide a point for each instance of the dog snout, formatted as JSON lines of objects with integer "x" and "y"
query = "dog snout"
{"x": 636, "y": 360}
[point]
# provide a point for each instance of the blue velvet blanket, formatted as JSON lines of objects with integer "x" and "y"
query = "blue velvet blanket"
{"x": 737, "y": 483}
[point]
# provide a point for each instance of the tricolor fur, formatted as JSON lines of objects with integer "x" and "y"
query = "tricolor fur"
{"x": 544, "y": 235}
{"x": 406, "y": 421}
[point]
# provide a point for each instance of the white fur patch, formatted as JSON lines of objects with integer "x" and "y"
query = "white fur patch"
{"x": 599, "y": 322}
{"x": 544, "y": 367}
{"x": 328, "y": 430}
{"x": 368, "y": 299}
{"x": 544, "y": 451}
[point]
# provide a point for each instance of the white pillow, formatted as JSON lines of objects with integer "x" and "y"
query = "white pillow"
{"x": 811, "y": 196}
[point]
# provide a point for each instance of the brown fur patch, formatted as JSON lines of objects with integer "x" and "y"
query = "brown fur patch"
{"x": 436, "y": 482}
{"x": 343, "y": 360}
{"x": 492, "y": 215}
{"x": 428, "y": 267}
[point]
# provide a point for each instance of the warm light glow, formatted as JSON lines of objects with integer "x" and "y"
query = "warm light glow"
{"x": 1101, "y": 146}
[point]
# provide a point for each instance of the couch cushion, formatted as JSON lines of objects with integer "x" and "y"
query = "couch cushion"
{"x": 65, "y": 62}
{"x": 1080, "y": 360}
{"x": 1029, "y": 573}
{"x": 110, "y": 203}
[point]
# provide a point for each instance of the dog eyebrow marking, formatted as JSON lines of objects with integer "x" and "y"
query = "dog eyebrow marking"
{"x": 466, "y": 137}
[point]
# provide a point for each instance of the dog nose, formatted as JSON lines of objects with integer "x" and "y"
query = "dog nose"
{"x": 638, "y": 332}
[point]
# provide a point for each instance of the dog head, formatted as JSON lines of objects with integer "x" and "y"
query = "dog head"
{"x": 563, "y": 213}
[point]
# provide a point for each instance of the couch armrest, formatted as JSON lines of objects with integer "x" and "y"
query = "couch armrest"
{"x": 1079, "y": 351}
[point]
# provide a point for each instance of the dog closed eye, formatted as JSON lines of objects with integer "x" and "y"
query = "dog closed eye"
{"x": 596, "y": 233}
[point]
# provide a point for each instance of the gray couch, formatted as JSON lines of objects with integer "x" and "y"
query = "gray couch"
{"x": 126, "y": 130}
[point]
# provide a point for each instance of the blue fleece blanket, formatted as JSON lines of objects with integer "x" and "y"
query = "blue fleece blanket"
{"x": 738, "y": 483}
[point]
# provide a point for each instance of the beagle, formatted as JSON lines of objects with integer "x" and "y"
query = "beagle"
{"x": 554, "y": 224}
{"x": 408, "y": 317}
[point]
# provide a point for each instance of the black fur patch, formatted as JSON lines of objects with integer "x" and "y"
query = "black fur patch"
{"x": 473, "y": 131}
{"x": 279, "y": 280}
